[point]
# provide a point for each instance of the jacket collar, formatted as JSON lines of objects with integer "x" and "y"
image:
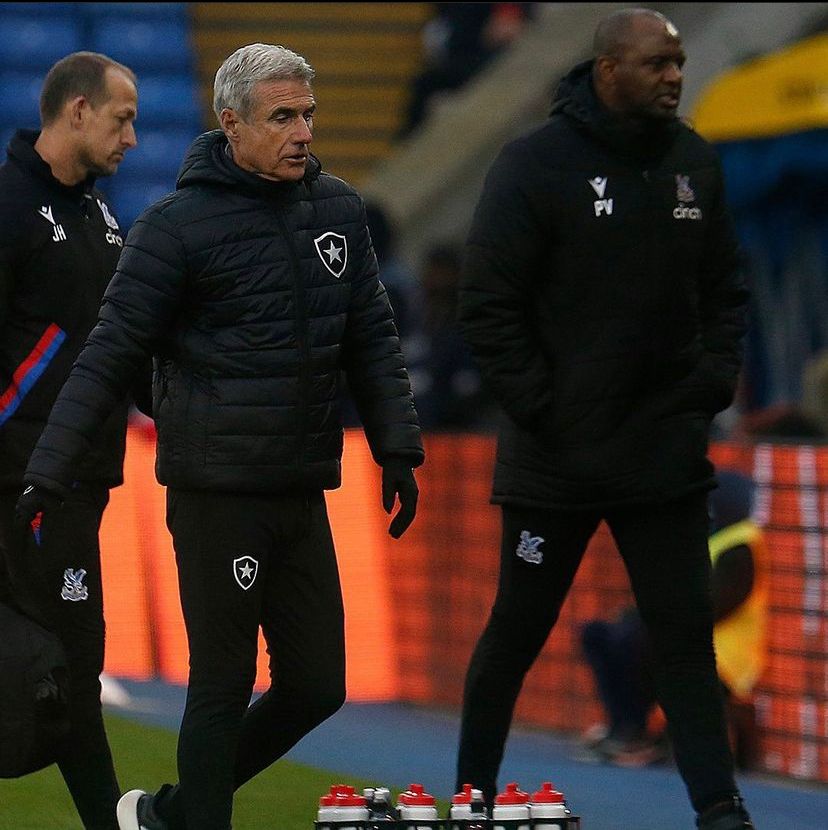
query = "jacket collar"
{"x": 208, "y": 161}
{"x": 22, "y": 152}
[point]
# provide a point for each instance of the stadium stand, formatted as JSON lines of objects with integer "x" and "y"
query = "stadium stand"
{"x": 33, "y": 42}
{"x": 365, "y": 56}
{"x": 153, "y": 39}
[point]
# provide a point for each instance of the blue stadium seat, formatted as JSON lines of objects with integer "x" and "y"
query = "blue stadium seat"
{"x": 20, "y": 98}
{"x": 168, "y": 101}
{"x": 44, "y": 9}
{"x": 159, "y": 152}
{"x": 144, "y": 45}
{"x": 133, "y": 11}
{"x": 35, "y": 42}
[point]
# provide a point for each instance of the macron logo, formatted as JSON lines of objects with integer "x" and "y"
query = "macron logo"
{"x": 58, "y": 234}
{"x": 601, "y": 205}
{"x": 599, "y": 185}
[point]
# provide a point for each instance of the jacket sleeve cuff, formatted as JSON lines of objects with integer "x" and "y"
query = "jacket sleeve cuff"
{"x": 47, "y": 484}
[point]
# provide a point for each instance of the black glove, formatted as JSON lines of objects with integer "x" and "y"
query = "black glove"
{"x": 398, "y": 480}
{"x": 34, "y": 501}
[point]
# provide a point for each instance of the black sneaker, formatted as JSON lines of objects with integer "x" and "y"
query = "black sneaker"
{"x": 729, "y": 815}
{"x": 134, "y": 812}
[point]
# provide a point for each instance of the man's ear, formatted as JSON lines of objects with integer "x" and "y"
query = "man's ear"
{"x": 78, "y": 109}
{"x": 605, "y": 68}
{"x": 229, "y": 121}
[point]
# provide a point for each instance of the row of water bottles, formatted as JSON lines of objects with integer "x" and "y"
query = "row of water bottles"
{"x": 344, "y": 809}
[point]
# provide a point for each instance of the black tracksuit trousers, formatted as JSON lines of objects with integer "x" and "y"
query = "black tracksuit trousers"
{"x": 58, "y": 581}
{"x": 246, "y": 561}
{"x": 664, "y": 548}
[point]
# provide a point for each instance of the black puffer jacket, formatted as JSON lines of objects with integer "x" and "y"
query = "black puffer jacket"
{"x": 59, "y": 246}
{"x": 602, "y": 299}
{"x": 253, "y": 296}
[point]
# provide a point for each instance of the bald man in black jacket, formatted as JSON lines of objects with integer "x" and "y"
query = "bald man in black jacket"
{"x": 603, "y": 301}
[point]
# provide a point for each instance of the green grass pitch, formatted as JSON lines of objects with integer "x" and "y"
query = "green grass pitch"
{"x": 283, "y": 797}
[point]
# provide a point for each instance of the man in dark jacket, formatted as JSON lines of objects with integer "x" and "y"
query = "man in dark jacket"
{"x": 254, "y": 286}
{"x": 59, "y": 245}
{"x": 601, "y": 297}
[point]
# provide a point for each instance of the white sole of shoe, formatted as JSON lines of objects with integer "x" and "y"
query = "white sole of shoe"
{"x": 127, "y": 810}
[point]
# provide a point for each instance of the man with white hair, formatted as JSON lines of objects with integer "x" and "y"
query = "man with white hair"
{"x": 254, "y": 286}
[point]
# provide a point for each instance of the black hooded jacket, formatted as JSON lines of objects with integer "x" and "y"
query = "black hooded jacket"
{"x": 252, "y": 296}
{"x": 603, "y": 301}
{"x": 59, "y": 246}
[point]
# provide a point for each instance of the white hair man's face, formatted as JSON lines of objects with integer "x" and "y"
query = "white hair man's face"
{"x": 273, "y": 141}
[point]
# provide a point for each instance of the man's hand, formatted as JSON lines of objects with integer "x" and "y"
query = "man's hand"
{"x": 31, "y": 505}
{"x": 398, "y": 480}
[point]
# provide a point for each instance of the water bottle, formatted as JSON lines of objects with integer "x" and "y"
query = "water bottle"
{"x": 379, "y": 804}
{"x": 415, "y": 806}
{"x": 511, "y": 809}
{"x": 342, "y": 805}
{"x": 546, "y": 805}
{"x": 468, "y": 810}
{"x": 326, "y": 812}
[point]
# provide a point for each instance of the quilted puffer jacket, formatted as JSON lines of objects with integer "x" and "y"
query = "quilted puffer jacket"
{"x": 253, "y": 297}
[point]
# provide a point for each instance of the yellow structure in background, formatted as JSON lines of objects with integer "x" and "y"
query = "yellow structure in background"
{"x": 784, "y": 92}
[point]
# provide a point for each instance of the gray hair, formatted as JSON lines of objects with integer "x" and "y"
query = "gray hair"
{"x": 248, "y": 65}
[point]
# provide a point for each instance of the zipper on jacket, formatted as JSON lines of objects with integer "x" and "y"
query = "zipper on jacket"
{"x": 653, "y": 272}
{"x": 302, "y": 341}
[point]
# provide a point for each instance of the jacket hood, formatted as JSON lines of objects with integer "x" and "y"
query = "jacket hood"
{"x": 641, "y": 140}
{"x": 574, "y": 94}
{"x": 208, "y": 161}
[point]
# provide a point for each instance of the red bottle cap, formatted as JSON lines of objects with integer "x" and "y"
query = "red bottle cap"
{"x": 414, "y": 795}
{"x": 350, "y": 799}
{"x": 512, "y": 795}
{"x": 342, "y": 795}
{"x": 547, "y": 794}
{"x": 464, "y": 796}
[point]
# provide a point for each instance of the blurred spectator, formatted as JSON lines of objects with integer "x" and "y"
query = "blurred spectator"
{"x": 805, "y": 420}
{"x": 459, "y": 41}
{"x": 403, "y": 288}
{"x": 815, "y": 391}
{"x": 396, "y": 275}
{"x": 782, "y": 421}
{"x": 619, "y": 652}
{"x": 445, "y": 379}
